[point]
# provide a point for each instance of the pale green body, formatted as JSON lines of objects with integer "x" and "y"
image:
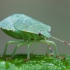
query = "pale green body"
{"x": 26, "y": 29}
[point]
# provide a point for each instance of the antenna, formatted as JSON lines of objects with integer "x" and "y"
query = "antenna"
{"x": 61, "y": 40}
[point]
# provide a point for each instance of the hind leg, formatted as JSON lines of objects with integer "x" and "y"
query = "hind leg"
{"x": 10, "y": 42}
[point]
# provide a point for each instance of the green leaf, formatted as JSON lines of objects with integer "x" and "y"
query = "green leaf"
{"x": 37, "y": 62}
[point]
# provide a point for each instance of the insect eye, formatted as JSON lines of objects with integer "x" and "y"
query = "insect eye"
{"x": 40, "y": 34}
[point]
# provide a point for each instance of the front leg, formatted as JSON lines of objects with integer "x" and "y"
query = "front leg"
{"x": 51, "y": 43}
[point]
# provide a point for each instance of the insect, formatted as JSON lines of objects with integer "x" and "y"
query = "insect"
{"x": 27, "y": 31}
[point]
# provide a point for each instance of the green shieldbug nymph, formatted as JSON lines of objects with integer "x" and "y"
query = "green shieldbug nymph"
{"x": 20, "y": 26}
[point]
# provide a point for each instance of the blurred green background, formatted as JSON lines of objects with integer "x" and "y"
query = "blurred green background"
{"x": 55, "y": 13}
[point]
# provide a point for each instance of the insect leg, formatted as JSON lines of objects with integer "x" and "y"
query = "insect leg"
{"x": 52, "y": 43}
{"x": 28, "y": 50}
{"x": 35, "y": 40}
{"x": 10, "y": 42}
{"x": 34, "y": 49}
{"x": 49, "y": 49}
{"x": 20, "y": 44}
